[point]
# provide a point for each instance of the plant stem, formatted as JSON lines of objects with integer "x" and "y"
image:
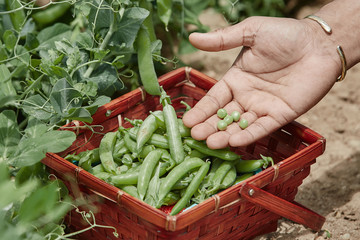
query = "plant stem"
{"x": 104, "y": 43}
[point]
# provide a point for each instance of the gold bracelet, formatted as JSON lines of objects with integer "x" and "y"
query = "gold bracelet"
{"x": 328, "y": 30}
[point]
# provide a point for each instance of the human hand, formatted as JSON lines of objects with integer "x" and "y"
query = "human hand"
{"x": 285, "y": 67}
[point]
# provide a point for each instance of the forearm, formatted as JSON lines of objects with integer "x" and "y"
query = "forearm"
{"x": 344, "y": 18}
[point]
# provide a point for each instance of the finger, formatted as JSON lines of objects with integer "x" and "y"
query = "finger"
{"x": 220, "y": 139}
{"x": 255, "y": 131}
{"x": 217, "y": 97}
{"x": 241, "y": 34}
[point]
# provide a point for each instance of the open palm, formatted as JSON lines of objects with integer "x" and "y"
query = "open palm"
{"x": 284, "y": 68}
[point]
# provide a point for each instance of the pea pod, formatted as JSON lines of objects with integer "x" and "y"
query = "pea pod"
{"x": 97, "y": 169}
{"x": 246, "y": 166}
{"x": 17, "y": 16}
{"x": 219, "y": 176}
{"x": 157, "y": 140}
{"x": 243, "y": 177}
{"x": 219, "y": 153}
{"x": 103, "y": 175}
{"x": 146, "y": 130}
{"x": 106, "y": 152}
{"x": 51, "y": 14}
{"x": 146, "y": 150}
{"x": 130, "y": 144}
{"x": 175, "y": 175}
{"x": 145, "y": 62}
{"x": 191, "y": 189}
{"x": 229, "y": 178}
{"x": 171, "y": 198}
{"x": 131, "y": 190}
{"x": 90, "y": 157}
{"x": 172, "y": 129}
{"x": 184, "y": 131}
{"x": 146, "y": 171}
{"x": 125, "y": 179}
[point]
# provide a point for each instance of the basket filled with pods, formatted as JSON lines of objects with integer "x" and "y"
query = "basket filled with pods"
{"x": 147, "y": 178}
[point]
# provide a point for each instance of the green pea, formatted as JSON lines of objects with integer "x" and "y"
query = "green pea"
{"x": 222, "y": 125}
{"x": 228, "y": 119}
{"x": 221, "y": 113}
{"x": 235, "y": 115}
{"x": 243, "y": 123}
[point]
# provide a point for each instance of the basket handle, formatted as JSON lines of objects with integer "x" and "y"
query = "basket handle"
{"x": 289, "y": 210}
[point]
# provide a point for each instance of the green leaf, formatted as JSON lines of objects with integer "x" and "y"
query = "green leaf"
{"x": 101, "y": 16}
{"x": 81, "y": 114}
{"x": 48, "y": 36}
{"x": 9, "y": 39}
{"x": 129, "y": 26}
{"x": 64, "y": 97}
{"x": 31, "y": 41}
{"x": 87, "y": 89}
{"x": 33, "y": 150}
{"x": 36, "y": 205}
{"x": 9, "y": 134}
{"x": 164, "y": 9}
{"x": 6, "y": 87}
{"x": 106, "y": 79}
{"x": 35, "y": 128}
{"x": 38, "y": 107}
{"x": 100, "y": 101}
{"x": 8, "y": 186}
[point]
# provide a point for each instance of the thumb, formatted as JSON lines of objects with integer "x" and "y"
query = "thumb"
{"x": 241, "y": 34}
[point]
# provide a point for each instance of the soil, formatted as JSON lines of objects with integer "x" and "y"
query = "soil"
{"x": 333, "y": 187}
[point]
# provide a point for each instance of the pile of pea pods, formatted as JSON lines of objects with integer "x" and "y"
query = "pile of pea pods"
{"x": 159, "y": 163}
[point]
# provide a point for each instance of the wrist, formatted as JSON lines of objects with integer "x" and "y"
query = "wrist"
{"x": 343, "y": 17}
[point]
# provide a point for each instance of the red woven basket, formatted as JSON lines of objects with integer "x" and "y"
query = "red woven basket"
{"x": 243, "y": 211}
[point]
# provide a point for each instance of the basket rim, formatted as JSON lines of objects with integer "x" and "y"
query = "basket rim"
{"x": 315, "y": 142}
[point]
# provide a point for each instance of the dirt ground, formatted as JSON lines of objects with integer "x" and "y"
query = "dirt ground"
{"x": 333, "y": 187}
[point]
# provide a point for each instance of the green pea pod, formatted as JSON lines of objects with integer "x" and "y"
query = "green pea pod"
{"x": 117, "y": 154}
{"x": 165, "y": 156}
{"x": 127, "y": 159}
{"x": 146, "y": 171}
{"x": 145, "y": 62}
{"x": 219, "y": 153}
{"x": 219, "y": 176}
{"x": 157, "y": 140}
{"x": 229, "y": 178}
{"x": 246, "y": 166}
{"x": 124, "y": 179}
{"x": 175, "y": 175}
{"x": 172, "y": 129}
{"x": 97, "y": 169}
{"x": 103, "y": 176}
{"x": 147, "y": 129}
{"x": 51, "y": 14}
{"x": 196, "y": 153}
{"x": 130, "y": 144}
{"x": 191, "y": 189}
{"x": 130, "y": 189}
{"x": 159, "y": 116}
{"x": 17, "y": 17}
{"x": 146, "y": 150}
{"x": 91, "y": 157}
{"x": 184, "y": 131}
{"x": 171, "y": 198}
{"x": 106, "y": 152}
{"x": 243, "y": 177}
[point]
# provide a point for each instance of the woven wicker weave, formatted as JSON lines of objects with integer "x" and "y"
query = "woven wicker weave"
{"x": 243, "y": 211}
